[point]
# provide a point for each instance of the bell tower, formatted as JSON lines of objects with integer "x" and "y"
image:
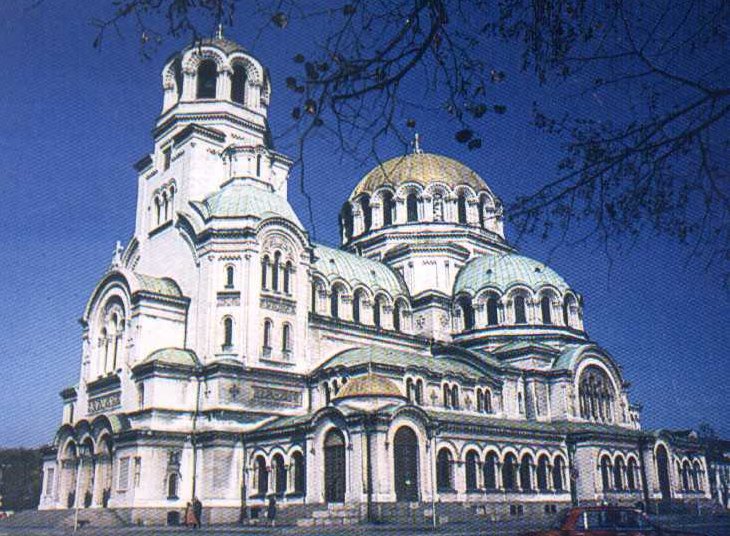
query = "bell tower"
{"x": 212, "y": 130}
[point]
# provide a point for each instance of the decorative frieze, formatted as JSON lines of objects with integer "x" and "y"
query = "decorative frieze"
{"x": 278, "y": 304}
{"x": 105, "y": 402}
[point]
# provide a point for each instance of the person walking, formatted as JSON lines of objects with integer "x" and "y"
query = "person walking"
{"x": 271, "y": 510}
{"x": 198, "y": 510}
{"x": 189, "y": 518}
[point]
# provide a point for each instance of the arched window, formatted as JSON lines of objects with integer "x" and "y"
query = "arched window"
{"x": 140, "y": 396}
{"x": 472, "y": 466}
{"x": 377, "y": 308}
{"x": 558, "y": 468}
{"x": 520, "y": 310}
{"x": 262, "y": 477}
{"x": 277, "y": 466}
{"x": 158, "y": 210}
{"x": 165, "y": 206}
{"x": 461, "y": 208}
{"x": 482, "y": 207}
{"x": 438, "y": 207}
{"x": 315, "y": 296}
{"x": 172, "y": 481}
{"x": 419, "y": 392}
{"x": 238, "y": 84}
{"x": 258, "y": 165}
{"x": 697, "y": 476}
{"x": 264, "y": 272}
{"x": 686, "y": 475}
{"x": 490, "y": 471}
{"x": 346, "y": 222}
{"x": 286, "y": 338}
{"x": 487, "y": 401}
{"x": 227, "y": 332}
{"x": 275, "y": 271}
{"x": 288, "y": 269}
{"x": 526, "y": 472}
{"x": 618, "y": 474}
{"x": 230, "y": 275}
{"x": 327, "y": 393}
{"x": 357, "y": 304}
{"x": 631, "y": 472}
{"x": 596, "y": 395}
{"x": 455, "y": 396}
{"x": 492, "y": 311}
{"x": 388, "y": 208}
{"x": 509, "y": 470}
{"x": 545, "y": 306}
{"x": 268, "y": 325}
{"x": 444, "y": 470}
{"x": 480, "y": 400}
{"x": 207, "y": 78}
{"x": 542, "y": 473}
{"x": 447, "y": 396}
{"x": 297, "y": 464}
{"x": 467, "y": 312}
{"x": 178, "y": 74}
{"x": 367, "y": 213}
{"x": 397, "y": 314}
{"x": 410, "y": 391}
{"x": 606, "y": 473}
{"x": 335, "y": 302}
{"x": 569, "y": 304}
{"x": 412, "y": 207}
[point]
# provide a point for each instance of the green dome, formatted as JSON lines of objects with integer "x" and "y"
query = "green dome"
{"x": 239, "y": 199}
{"x": 504, "y": 271}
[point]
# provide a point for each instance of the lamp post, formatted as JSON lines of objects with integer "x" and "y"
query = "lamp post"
{"x": 3, "y": 467}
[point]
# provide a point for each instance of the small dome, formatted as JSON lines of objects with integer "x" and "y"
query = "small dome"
{"x": 369, "y": 385}
{"x": 220, "y": 42}
{"x": 421, "y": 168}
{"x": 504, "y": 271}
{"x": 240, "y": 199}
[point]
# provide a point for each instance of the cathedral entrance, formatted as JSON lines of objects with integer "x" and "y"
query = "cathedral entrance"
{"x": 405, "y": 459}
{"x": 662, "y": 463}
{"x": 334, "y": 467}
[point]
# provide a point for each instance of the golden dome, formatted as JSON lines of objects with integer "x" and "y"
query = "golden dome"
{"x": 369, "y": 385}
{"x": 420, "y": 168}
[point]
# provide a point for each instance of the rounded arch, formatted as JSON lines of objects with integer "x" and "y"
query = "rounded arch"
{"x": 335, "y": 466}
{"x": 510, "y": 468}
{"x": 406, "y": 463}
{"x": 472, "y": 464}
{"x": 465, "y": 307}
{"x": 254, "y": 70}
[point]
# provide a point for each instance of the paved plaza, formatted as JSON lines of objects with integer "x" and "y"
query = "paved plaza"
{"x": 710, "y": 526}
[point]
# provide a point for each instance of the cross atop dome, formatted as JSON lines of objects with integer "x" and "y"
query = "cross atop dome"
{"x": 219, "y": 31}
{"x": 417, "y": 144}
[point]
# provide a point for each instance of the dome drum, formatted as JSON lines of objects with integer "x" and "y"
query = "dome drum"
{"x": 421, "y": 188}
{"x": 509, "y": 290}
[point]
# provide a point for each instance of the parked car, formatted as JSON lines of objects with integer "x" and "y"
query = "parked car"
{"x": 607, "y": 521}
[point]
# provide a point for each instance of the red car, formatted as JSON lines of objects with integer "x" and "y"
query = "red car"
{"x": 606, "y": 521}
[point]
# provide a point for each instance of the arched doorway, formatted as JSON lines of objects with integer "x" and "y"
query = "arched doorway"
{"x": 335, "y": 472}
{"x": 405, "y": 459}
{"x": 662, "y": 463}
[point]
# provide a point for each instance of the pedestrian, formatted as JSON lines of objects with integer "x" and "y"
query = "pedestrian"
{"x": 271, "y": 510}
{"x": 198, "y": 509}
{"x": 189, "y": 518}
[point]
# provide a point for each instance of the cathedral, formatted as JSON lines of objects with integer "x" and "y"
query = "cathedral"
{"x": 424, "y": 370}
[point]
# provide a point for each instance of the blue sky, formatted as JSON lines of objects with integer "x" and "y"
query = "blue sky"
{"x": 74, "y": 120}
